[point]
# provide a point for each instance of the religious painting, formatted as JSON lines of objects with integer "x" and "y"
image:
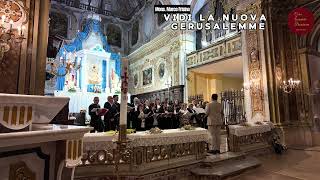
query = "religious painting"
{"x": 147, "y": 77}
{"x": 114, "y": 35}
{"x": 135, "y": 80}
{"x": 94, "y": 74}
{"x": 58, "y": 25}
{"x": 135, "y": 33}
{"x": 161, "y": 70}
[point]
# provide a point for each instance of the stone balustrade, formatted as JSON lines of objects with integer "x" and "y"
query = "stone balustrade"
{"x": 215, "y": 52}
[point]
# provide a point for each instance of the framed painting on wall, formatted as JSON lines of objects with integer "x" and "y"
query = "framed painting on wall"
{"x": 147, "y": 76}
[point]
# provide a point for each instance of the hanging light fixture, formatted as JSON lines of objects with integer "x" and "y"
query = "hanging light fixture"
{"x": 8, "y": 34}
{"x": 290, "y": 85}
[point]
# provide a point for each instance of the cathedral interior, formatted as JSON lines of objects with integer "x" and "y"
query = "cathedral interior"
{"x": 109, "y": 89}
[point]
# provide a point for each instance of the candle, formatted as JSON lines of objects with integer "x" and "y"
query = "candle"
{"x": 11, "y": 24}
{"x": 3, "y": 18}
{"x": 19, "y": 30}
{"x": 124, "y": 91}
{"x": 23, "y": 28}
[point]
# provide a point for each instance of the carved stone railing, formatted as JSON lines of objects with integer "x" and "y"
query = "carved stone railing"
{"x": 223, "y": 49}
{"x": 86, "y": 7}
{"x": 144, "y": 154}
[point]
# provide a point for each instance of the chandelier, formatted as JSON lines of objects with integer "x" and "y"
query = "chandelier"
{"x": 8, "y": 35}
{"x": 290, "y": 85}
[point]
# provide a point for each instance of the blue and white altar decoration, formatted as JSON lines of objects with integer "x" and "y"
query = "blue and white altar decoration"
{"x": 87, "y": 67}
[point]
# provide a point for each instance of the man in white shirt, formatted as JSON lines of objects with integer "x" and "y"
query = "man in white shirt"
{"x": 214, "y": 122}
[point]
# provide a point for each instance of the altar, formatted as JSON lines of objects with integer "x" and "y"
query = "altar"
{"x": 146, "y": 154}
{"x": 85, "y": 68}
{"x": 31, "y": 147}
{"x": 250, "y": 136}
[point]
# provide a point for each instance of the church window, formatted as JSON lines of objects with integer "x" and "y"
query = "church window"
{"x": 135, "y": 33}
{"x": 160, "y": 17}
{"x": 58, "y": 25}
{"x": 208, "y": 35}
{"x": 114, "y": 35}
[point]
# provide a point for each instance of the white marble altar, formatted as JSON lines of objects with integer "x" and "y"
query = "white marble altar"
{"x": 94, "y": 141}
{"x": 85, "y": 67}
{"x": 239, "y": 130}
{"x": 250, "y": 137}
{"x": 20, "y": 111}
{"x": 30, "y": 147}
{"x": 145, "y": 154}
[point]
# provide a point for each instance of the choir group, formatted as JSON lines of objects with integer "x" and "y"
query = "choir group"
{"x": 144, "y": 115}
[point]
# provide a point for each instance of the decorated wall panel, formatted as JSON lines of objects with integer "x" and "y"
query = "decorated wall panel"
{"x": 22, "y": 63}
{"x": 254, "y": 67}
{"x": 156, "y": 65}
{"x": 255, "y": 73}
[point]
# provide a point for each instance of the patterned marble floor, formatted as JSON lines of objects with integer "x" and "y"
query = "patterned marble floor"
{"x": 295, "y": 164}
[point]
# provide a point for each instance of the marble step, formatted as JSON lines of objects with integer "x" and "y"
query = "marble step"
{"x": 226, "y": 169}
{"x": 214, "y": 160}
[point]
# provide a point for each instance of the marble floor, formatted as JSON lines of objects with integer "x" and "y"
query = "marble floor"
{"x": 295, "y": 164}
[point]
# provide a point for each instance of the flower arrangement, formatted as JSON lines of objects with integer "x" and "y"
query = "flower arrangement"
{"x": 188, "y": 127}
{"x": 130, "y": 131}
{"x": 155, "y": 130}
{"x": 111, "y": 132}
{"x": 72, "y": 89}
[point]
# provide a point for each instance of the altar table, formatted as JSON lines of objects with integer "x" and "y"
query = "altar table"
{"x": 145, "y": 153}
{"x": 239, "y": 130}
{"x": 242, "y": 136}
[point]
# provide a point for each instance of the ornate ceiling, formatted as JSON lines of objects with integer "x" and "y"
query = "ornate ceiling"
{"x": 123, "y": 9}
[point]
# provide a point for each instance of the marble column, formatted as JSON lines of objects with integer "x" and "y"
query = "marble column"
{"x": 254, "y": 68}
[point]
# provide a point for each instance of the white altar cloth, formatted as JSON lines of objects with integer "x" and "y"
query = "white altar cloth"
{"x": 81, "y": 100}
{"x": 100, "y": 141}
{"x": 239, "y": 130}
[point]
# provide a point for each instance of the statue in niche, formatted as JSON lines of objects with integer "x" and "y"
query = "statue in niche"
{"x": 94, "y": 77}
{"x": 278, "y": 72}
{"x": 257, "y": 102}
{"x": 254, "y": 59}
{"x": 70, "y": 76}
{"x": 254, "y": 55}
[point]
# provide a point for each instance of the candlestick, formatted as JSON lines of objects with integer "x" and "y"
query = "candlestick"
{"x": 124, "y": 101}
